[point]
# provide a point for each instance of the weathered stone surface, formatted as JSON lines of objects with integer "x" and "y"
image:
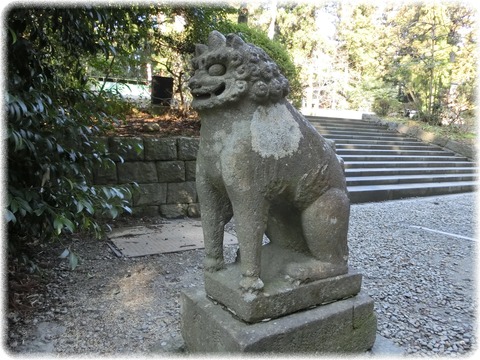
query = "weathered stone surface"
{"x": 160, "y": 148}
{"x": 129, "y": 148}
{"x": 193, "y": 210}
{"x": 455, "y": 146}
{"x": 345, "y": 326}
{"x": 187, "y": 148}
{"x": 150, "y": 210}
{"x": 181, "y": 193}
{"x": 190, "y": 168}
{"x": 170, "y": 171}
{"x": 462, "y": 149}
{"x": 151, "y": 127}
{"x": 105, "y": 175}
{"x": 426, "y": 136}
{"x": 279, "y": 296}
{"x": 137, "y": 171}
{"x": 155, "y": 167}
{"x": 172, "y": 211}
{"x": 150, "y": 194}
{"x": 258, "y": 156}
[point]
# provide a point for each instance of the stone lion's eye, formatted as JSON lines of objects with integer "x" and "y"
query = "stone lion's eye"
{"x": 216, "y": 70}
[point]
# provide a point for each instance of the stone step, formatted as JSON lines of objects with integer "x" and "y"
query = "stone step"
{"x": 399, "y": 171}
{"x": 364, "y": 126}
{"x": 366, "y": 146}
{"x": 371, "y": 193}
{"x": 373, "y": 141}
{"x": 407, "y": 164}
{"x": 381, "y": 164}
{"x": 335, "y": 137}
{"x": 401, "y": 158}
{"x": 357, "y": 132}
{"x": 339, "y": 121}
{"x": 381, "y": 152}
{"x": 408, "y": 179}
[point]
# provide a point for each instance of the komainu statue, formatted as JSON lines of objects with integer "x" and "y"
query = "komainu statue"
{"x": 262, "y": 162}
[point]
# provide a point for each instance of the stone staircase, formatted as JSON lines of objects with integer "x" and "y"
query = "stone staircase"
{"x": 384, "y": 165}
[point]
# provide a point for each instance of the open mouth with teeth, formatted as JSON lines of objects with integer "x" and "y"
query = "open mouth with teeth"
{"x": 205, "y": 95}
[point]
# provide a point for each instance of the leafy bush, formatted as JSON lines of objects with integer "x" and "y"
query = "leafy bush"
{"x": 383, "y": 106}
{"x": 53, "y": 121}
{"x": 383, "y": 98}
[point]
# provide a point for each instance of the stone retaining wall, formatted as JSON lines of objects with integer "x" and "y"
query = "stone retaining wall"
{"x": 415, "y": 131}
{"x": 163, "y": 168}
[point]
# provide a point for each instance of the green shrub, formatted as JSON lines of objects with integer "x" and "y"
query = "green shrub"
{"x": 383, "y": 106}
{"x": 385, "y": 98}
{"x": 53, "y": 121}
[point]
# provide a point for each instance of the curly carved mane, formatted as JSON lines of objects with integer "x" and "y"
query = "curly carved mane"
{"x": 250, "y": 70}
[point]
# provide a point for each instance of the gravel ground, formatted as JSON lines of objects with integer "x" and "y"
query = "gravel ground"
{"x": 422, "y": 281}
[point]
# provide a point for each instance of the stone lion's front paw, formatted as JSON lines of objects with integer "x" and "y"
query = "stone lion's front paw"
{"x": 251, "y": 283}
{"x": 213, "y": 264}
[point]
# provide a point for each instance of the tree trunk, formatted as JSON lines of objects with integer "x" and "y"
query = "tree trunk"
{"x": 271, "y": 27}
{"x": 243, "y": 14}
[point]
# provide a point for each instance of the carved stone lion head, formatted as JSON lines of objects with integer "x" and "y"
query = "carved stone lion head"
{"x": 228, "y": 69}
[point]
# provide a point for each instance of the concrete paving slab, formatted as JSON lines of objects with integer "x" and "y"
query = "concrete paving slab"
{"x": 170, "y": 236}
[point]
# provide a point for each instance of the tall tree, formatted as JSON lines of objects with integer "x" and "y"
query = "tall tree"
{"x": 433, "y": 50}
{"x": 309, "y": 32}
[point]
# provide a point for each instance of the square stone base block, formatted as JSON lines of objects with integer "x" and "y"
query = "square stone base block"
{"x": 345, "y": 326}
{"x": 279, "y": 296}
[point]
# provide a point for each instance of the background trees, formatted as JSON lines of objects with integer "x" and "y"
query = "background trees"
{"x": 433, "y": 58}
{"x": 380, "y": 57}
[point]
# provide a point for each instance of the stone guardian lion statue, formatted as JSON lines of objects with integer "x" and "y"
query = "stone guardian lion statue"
{"x": 262, "y": 162}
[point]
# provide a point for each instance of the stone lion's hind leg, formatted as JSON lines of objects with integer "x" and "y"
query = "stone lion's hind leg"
{"x": 284, "y": 228}
{"x": 325, "y": 228}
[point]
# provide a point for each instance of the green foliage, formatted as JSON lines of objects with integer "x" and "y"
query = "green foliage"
{"x": 171, "y": 52}
{"x": 53, "y": 119}
{"x": 183, "y": 27}
{"x": 307, "y": 31}
{"x": 73, "y": 259}
{"x": 275, "y": 50}
{"x": 360, "y": 35}
{"x": 200, "y": 21}
{"x": 434, "y": 49}
{"x": 384, "y": 105}
{"x": 422, "y": 50}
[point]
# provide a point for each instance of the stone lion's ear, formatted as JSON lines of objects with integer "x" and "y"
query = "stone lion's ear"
{"x": 215, "y": 40}
{"x": 200, "y": 49}
{"x": 234, "y": 41}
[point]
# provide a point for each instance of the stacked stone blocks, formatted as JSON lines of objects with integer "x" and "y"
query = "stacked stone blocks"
{"x": 163, "y": 168}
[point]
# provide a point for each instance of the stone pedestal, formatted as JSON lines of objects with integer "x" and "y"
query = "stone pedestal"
{"x": 280, "y": 296}
{"x": 261, "y": 161}
{"x": 344, "y": 326}
{"x": 330, "y": 315}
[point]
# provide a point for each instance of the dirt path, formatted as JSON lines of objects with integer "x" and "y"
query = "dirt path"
{"x": 108, "y": 305}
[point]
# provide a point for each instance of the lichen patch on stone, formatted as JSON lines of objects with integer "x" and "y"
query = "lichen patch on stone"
{"x": 274, "y": 132}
